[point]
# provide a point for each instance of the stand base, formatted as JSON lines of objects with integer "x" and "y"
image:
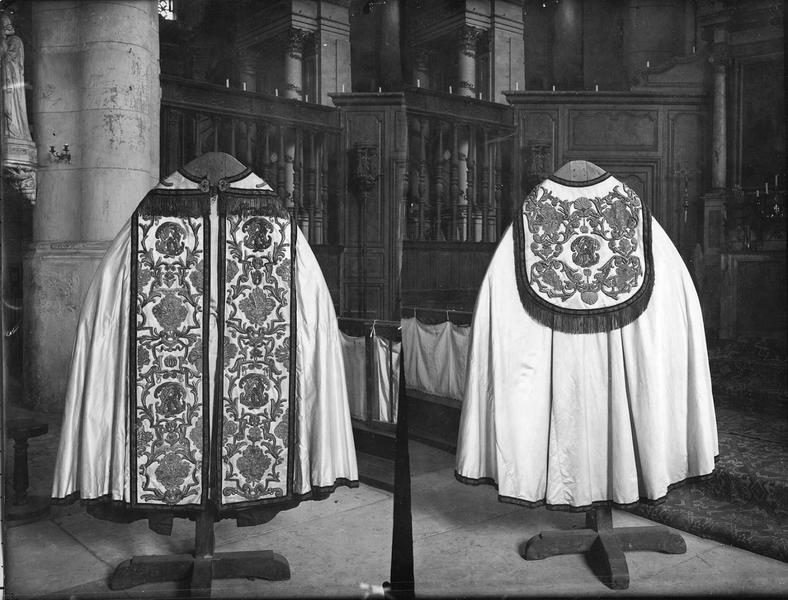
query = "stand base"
{"x": 260, "y": 564}
{"x": 34, "y": 508}
{"x": 605, "y": 548}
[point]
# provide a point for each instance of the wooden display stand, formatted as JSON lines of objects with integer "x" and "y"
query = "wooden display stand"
{"x": 600, "y": 541}
{"x": 605, "y": 545}
{"x": 203, "y": 565}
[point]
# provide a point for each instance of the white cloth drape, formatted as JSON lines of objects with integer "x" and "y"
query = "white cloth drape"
{"x": 436, "y": 357}
{"x": 354, "y": 351}
{"x": 93, "y": 455}
{"x": 387, "y": 357}
{"x": 575, "y": 419}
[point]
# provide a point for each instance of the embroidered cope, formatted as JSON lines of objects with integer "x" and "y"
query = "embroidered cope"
{"x": 588, "y": 379}
{"x": 222, "y": 392}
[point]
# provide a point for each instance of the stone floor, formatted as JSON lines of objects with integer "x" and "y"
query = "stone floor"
{"x": 465, "y": 544}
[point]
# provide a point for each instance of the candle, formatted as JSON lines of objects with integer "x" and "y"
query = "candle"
{"x": 553, "y": 88}
{"x": 306, "y": 98}
{"x": 226, "y": 83}
{"x": 516, "y": 85}
{"x": 276, "y": 91}
{"x": 693, "y": 48}
{"x": 596, "y": 87}
{"x": 767, "y": 187}
{"x": 757, "y": 193}
{"x": 380, "y": 90}
{"x": 418, "y": 83}
{"x": 648, "y": 64}
{"x": 244, "y": 85}
{"x": 450, "y": 89}
{"x": 343, "y": 88}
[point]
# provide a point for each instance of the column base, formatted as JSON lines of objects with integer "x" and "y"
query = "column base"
{"x": 56, "y": 276}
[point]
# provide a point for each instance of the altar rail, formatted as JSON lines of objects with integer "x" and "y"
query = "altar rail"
{"x": 293, "y": 145}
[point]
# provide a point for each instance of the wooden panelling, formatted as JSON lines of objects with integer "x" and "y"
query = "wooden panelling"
{"x": 754, "y": 295}
{"x": 443, "y": 275}
{"x": 617, "y": 130}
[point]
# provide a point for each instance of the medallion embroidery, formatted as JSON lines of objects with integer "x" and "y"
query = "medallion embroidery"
{"x": 167, "y": 377}
{"x": 604, "y": 230}
{"x": 256, "y": 383}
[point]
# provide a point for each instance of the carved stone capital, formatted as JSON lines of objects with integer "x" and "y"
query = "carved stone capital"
{"x": 296, "y": 42}
{"x": 468, "y": 39}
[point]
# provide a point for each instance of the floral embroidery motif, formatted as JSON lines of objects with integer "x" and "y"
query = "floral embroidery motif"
{"x": 257, "y": 306}
{"x": 170, "y": 312}
{"x": 602, "y": 232}
{"x": 168, "y": 381}
{"x": 257, "y": 353}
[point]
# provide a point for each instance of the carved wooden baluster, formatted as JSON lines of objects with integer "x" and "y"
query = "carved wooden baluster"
{"x": 251, "y": 135}
{"x": 493, "y": 221}
{"x": 281, "y": 173}
{"x": 267, "y": 162}
{"x": 424, "y": 203}
{"x": 454, "y": 184}
{"x": 311, "y": 185}
{"x": 324, "y": 229}
{"x": 440, "y": 185}
{"x": 298, "y": 183}
{"x": 484, "y": 187}
{"x": 413, "y": 207}
{"x": 474, "y": 220}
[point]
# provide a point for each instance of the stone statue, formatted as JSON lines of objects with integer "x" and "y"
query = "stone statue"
{"x": 19, "y": 150}
{"x": 15, "y": 108}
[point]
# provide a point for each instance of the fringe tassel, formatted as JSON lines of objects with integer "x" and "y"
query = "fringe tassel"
{"x": 251, "y": 202}
{"x": 176, "y": 203}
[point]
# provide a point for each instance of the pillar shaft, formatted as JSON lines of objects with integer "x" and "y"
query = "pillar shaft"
{"x": 466, "y": 61}
{"x": 95, "y": 80}
{"x": 296, "y": 38}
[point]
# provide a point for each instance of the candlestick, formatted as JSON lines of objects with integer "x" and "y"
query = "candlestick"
{"x": 596, "y": 87}
{"x": 276, "y": 91}
{"x": 380, "y": 90}
{"x": 226, "y": 83}
{"x": 553, "y": 88}
{"x": 757, "y": 193}
{"x": 418, "y": 83}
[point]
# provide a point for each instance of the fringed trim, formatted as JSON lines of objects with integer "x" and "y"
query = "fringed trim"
{"x": 264, "y": 203}
{"x": 574, "y": 321}
{"x": 586, "y": 507}
{"x": 175, "y": 203}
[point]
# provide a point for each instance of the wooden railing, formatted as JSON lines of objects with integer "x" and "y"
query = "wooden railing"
{"x": 459, "y": 182}
{"x": 293, "y": 145}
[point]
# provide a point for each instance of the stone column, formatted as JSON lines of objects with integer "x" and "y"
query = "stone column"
{"x": 507, "y": 52}
{"x": 96, "y": 87}
{"x": 296, "y": 38}
{"x": 333, "y": 24}
{"x": 719, "y": 143}
{"x": 467, "y": 38}
{"x": 421, "y": 67}
{"x": 248, "y": 67}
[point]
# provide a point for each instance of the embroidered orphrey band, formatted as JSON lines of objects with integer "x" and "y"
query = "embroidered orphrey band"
{"x": 168, "y": 362}
{"x": 257, "y": 312}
